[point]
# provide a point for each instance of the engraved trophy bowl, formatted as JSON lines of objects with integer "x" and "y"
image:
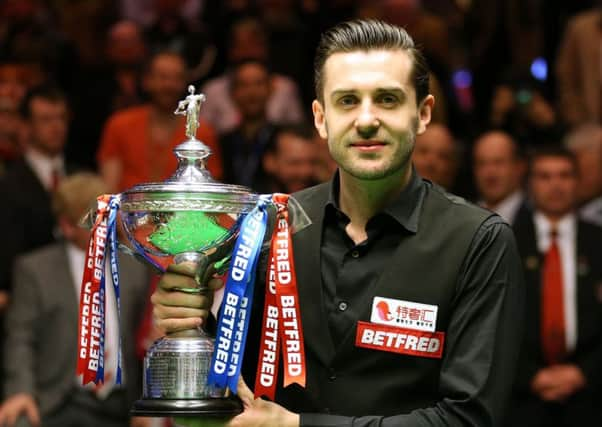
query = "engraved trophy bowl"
{"x": 190, "y": 217}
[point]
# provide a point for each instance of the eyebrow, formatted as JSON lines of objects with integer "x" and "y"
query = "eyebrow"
{"x": 393, "y": 89}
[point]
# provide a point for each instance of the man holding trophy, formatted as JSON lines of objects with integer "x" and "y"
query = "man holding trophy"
{"x": 410, "y": 298}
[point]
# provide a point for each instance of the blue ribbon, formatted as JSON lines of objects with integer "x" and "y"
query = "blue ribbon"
{"x": 112, "y": 242}
{"x": 233, "y": 324}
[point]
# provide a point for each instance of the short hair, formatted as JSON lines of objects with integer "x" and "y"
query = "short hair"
{"x": 368, "y": 35}
{"x": 76, "y": 194}
{"x": 300, "y": 130}
{"x": 552, "y": 150}
{"x": 235, "y": 68}
{"x": 46, "y": 91}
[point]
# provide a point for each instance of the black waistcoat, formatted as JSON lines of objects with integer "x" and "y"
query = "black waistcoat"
{"x": 425, "y": 268}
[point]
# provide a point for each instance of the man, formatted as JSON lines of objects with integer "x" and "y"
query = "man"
{"x": 585, "y": 142}
{"x": 436, "y": 156}
{"x": 559, "y": 375}
{"x": 248, "y": 40}
{"x": 137, "y": 143}
{"x": 289, "y": 161}
{"x": 40, "y": 383}
{"x": 243, "y": 146}
{"x": 26, "y": 188}
{"x": 499, "y": 171}
{"x": 379, "y": 230}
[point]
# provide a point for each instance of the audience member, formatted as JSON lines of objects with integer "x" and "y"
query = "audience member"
{"x": 289, "y": 160}
{"x": 559, "y": 377}
{"x": 40, "y": 354}
{"x": 586, "y": 144}
{"x": 171, "y": 30}
{"x": 578, "y": 69}
{"x": 114, "y": 85}
{"x": 27, "y": 186}
{"x": 249, "y": 41}
{"x": 437, "y": 156}
{"x": 499, "y": 171}
{"x": 137, "y": 142}
{"x": 243, "y": 147}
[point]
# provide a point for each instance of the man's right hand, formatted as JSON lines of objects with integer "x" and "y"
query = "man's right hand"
{"x": 176, "y": 310}
{"x": 15, "y": 406}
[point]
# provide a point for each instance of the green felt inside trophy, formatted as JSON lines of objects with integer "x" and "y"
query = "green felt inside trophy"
{"x": 187, "y": 231}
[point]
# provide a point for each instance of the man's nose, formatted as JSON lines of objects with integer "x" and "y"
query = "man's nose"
{"x": 367, "y": 123}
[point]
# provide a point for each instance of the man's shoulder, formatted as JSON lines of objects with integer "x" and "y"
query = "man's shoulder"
{"x": 127, "y": 117}
{"x": 51, "y": 253}
{"x": 314, "y": 194}
{"x": 454, "y": 206}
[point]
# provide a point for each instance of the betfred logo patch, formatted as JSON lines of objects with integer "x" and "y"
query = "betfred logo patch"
{"x": 404, "y": 314}
{"x": 399, "y": 340}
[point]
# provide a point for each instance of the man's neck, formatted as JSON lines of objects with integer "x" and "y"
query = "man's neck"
{"x": 162, "y": 116}
{"x": 361, "y": 199}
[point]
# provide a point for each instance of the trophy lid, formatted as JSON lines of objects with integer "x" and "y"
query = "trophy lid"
{"x": 191, "y": 187}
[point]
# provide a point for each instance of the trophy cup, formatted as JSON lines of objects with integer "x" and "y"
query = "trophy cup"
{"x": 187, "y": 218}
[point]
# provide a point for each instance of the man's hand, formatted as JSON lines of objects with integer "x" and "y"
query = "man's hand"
{"x": 176, "y": 310}
{"x": 261, "y": 413}
{"x": 15, "y": 406}
{"x": 558, "y": 382}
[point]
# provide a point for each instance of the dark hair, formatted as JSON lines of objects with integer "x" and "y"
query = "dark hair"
{"x": 302, "y": 131}
{"x": 235, "y": 68}
{"x": 552, "y": 150}
{"x": 46, "y": 91}
{"x": 368, "y": 35}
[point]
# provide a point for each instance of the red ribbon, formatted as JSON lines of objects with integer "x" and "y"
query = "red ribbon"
{"x": 281, "y": 326}
{"x": 91, "y": 301}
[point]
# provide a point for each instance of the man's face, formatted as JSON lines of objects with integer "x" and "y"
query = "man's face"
{"x": 553, "y": 185}
{"x": 251, "y": 89}
{"x": 166, "y": 81}
{"x": 497, "y": 169}
{"x": 435, "y": 156}
{"x": 369, "y": 114}
{"x": 293, "y": 162}
{"x": 48, "y": 124}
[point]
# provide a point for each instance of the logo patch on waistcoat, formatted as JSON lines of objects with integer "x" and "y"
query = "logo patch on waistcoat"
{"x": 399, "y": 340}
{"x": 404, "y": 314}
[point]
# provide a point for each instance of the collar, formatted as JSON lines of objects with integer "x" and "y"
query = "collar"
{"x": 43, "y": 166}
{"x": 565, "y": 228}
{"x": 405, "y": 209}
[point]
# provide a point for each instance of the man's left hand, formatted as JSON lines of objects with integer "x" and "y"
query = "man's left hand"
{"x": 558, "y": 382}
{"x": 259, "y": 412}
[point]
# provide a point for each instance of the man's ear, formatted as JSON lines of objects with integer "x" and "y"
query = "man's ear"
{"x": 319, "y": 118}
{"x": 66, "y": 226}
{"x": 424, "y": 113}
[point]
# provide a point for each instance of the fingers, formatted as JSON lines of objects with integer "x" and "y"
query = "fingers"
{"x": 244, "y": 393}
{"x": 175, "y": 324}
{"x": 162, "y": 297}
{"x": 215, "y": 284}
{"x": 33, "y": 415}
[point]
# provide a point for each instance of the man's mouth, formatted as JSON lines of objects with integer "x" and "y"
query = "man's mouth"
{"x": 368, "y": 145}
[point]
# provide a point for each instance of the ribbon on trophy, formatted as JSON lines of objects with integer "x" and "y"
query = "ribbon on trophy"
{"x": 233, "y": 323}
{"x": 91, "y": 324}
{"x": 281, "y": 325}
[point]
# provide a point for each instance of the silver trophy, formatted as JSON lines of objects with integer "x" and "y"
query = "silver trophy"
{"x": 188, "y": 218}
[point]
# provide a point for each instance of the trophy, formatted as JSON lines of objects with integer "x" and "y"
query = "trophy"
{"x": 190, "y": 217}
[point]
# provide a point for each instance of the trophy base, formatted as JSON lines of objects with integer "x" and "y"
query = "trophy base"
{"x": 214, "y": 408}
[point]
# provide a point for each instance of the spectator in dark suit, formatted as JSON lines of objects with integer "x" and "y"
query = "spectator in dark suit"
{"x": 559, "y": 377}
{"x": 27, "y": 186}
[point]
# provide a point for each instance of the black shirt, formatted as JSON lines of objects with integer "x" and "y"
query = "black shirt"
{"x": 490, "y": 276}
{"x": 348, "y": 270}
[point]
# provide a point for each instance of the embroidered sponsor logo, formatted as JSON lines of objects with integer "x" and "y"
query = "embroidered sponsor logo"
{"x": 399, "y": 340}
{"x": 404, "y": 314}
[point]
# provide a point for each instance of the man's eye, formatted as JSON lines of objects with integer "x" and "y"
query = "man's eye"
{"x": 347, "y": 101}
{"x": 387, "y": 99}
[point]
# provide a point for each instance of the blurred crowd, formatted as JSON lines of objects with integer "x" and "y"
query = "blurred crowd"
{"x": 91, "y": 85}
